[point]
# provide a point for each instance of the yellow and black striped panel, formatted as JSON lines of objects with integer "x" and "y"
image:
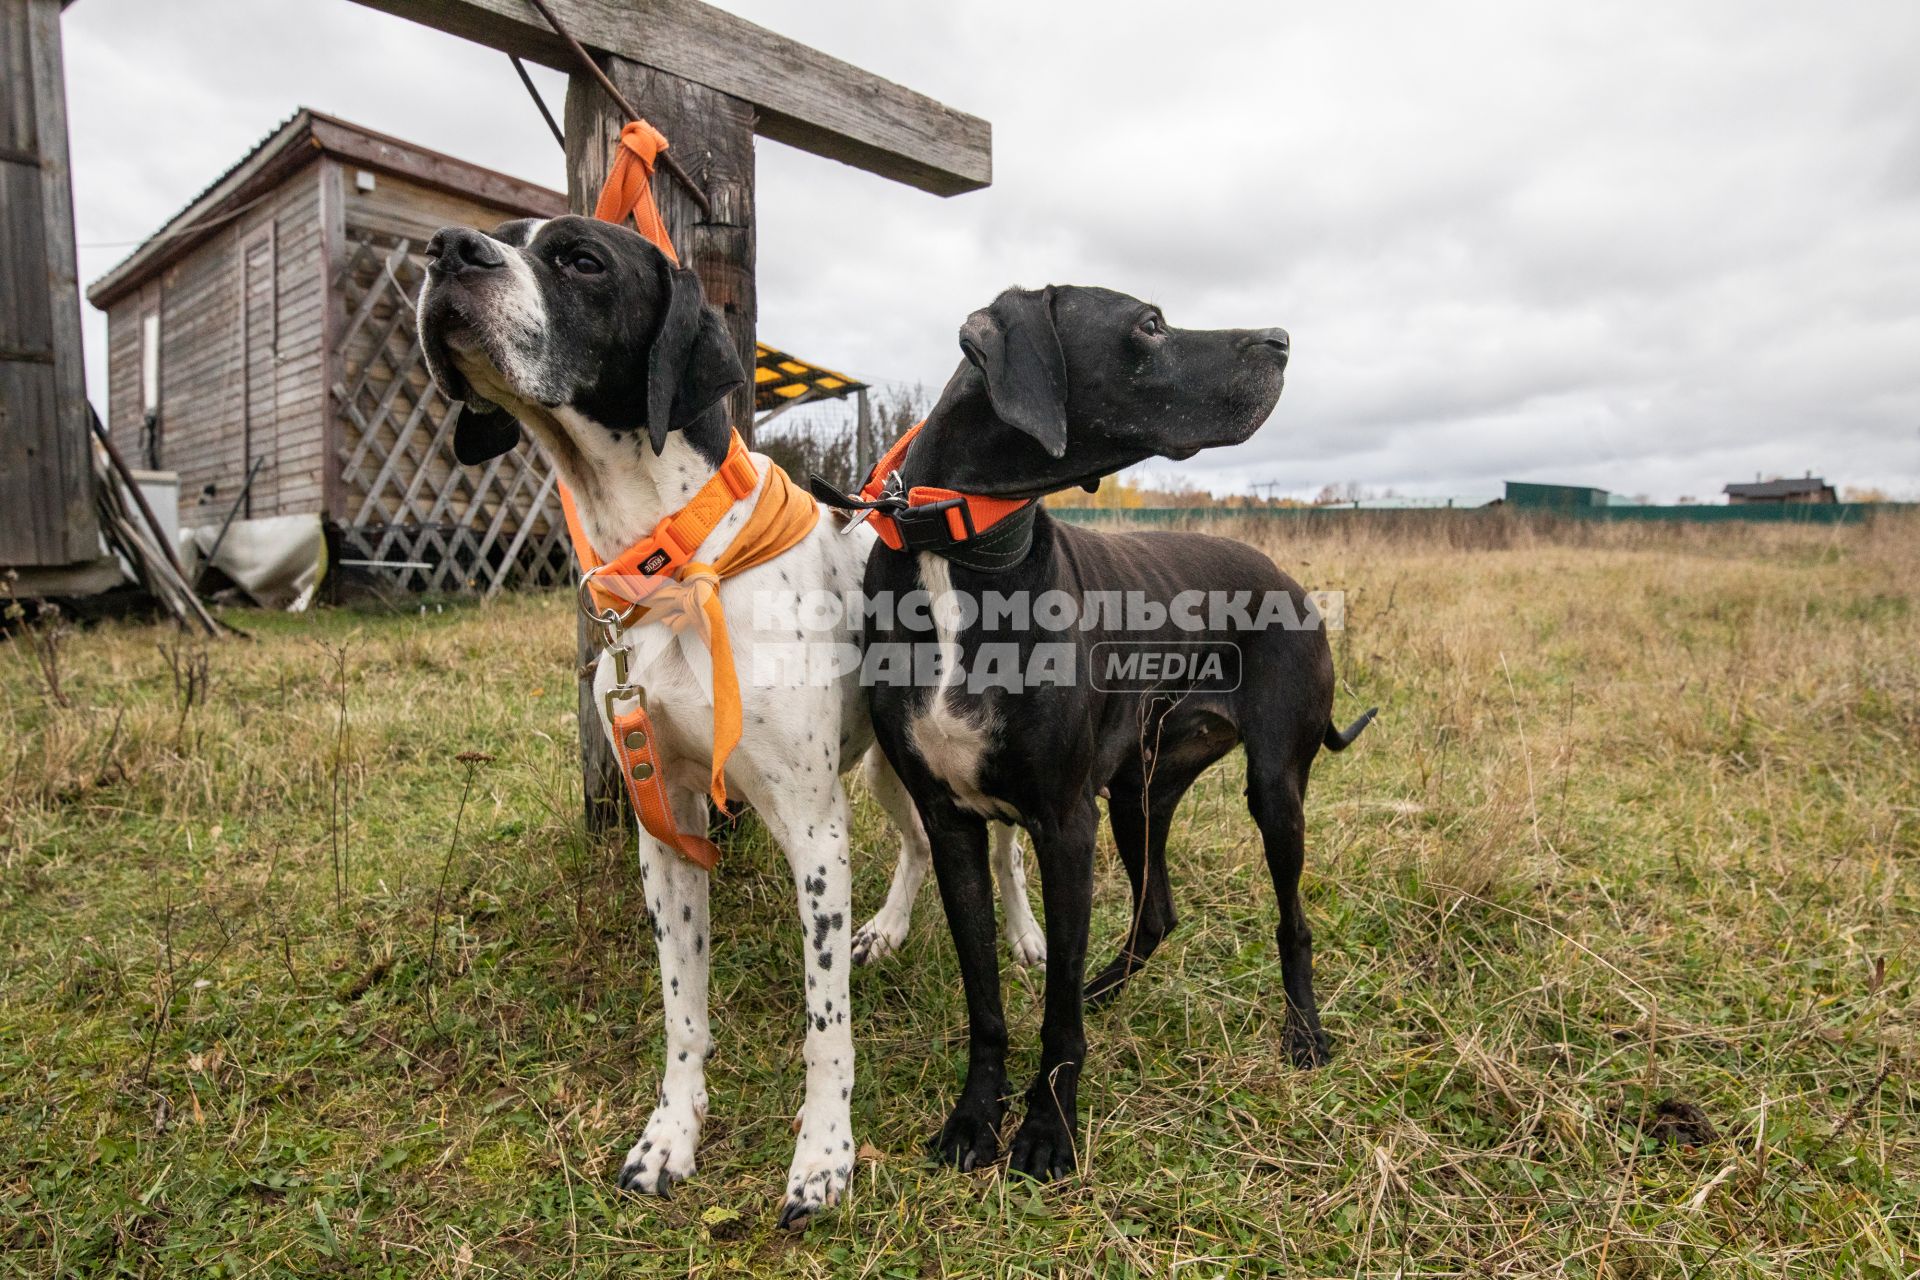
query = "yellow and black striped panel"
{"x": 779, "y": 378}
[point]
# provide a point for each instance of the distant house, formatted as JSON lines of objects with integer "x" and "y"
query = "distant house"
{"x": 1808, "y": 489}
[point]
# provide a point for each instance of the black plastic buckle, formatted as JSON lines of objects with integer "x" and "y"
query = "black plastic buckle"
{"x": 924, "y": 527}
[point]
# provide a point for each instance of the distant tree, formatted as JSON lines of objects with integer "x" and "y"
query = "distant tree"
{"x": 808, "y": 442}
{"x": 1864, "y": 493}
{"x": 1336, "y": 494}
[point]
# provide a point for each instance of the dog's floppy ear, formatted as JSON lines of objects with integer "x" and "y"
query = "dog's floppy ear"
{"x": 1014, "y": 345}
{"x": 693, "y": 364}
{"x": 483, "y": 432}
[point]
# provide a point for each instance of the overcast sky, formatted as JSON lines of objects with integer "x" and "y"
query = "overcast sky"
{"x": 1651, "y": 247}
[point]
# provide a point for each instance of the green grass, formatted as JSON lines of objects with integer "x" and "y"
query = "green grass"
{"x": 1640, "y": 821}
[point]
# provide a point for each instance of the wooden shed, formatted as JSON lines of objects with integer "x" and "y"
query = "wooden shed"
{"x": 262, "y": 345}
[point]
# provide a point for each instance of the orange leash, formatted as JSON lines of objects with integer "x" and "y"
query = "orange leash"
{"x": 657, "y": 579}
{"x": 628, "y": 190}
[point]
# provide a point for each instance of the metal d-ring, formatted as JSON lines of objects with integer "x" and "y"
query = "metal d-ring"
{"x": 609, "y": 620}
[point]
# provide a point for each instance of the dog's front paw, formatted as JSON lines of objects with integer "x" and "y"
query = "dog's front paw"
{"x": 1307, "y": 1046}
{"x": 814, "y": 1184}
{"x": 970, "y": 1138}
{"x": 664, "y": 1154}
{"x": 1043, "y": 1149}
{"x": 822, "y": 1163}
{"x": 878, "y": 938}
{"x": 1029, "y": 947}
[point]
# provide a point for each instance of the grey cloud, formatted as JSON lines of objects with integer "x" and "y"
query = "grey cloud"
{"x": 1652, "y": 247}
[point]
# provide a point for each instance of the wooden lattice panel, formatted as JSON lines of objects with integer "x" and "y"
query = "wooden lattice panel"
{"x": 403, "y": 497}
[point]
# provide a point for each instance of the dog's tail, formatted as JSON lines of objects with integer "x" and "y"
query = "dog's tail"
{"x": 1338, "y": 741}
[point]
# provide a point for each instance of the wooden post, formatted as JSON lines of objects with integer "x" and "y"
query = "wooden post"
{"x": 46, "y": 447}
{"x": 863, "y": 441}
{"x": 712, "y": 135}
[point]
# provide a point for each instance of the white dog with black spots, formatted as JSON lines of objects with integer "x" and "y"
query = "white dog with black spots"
{"x": 569, "y": 327}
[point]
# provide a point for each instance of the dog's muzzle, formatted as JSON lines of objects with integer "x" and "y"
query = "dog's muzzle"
{"x": 457, "y": 252}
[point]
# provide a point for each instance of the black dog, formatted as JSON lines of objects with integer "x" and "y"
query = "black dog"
{"x": 1061, "y": 387}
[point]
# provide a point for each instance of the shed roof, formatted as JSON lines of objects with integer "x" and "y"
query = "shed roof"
{"x": 284, "y": 152}
{"x": 1778, "y": 488}
{"x": 779, "y": 378}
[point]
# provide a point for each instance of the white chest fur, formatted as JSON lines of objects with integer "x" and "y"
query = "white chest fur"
{"x": 952, "y": 737}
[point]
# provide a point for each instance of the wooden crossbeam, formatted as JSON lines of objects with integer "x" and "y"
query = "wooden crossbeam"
{"x": 801, "y": 97}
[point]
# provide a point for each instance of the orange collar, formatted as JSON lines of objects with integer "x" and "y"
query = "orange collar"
{"x": 972, "y": 530}
{"x": 617, "y": 585}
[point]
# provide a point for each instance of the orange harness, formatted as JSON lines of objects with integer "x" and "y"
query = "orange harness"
{"x": 658, "y": 580}
{"x": 978, "y": 532}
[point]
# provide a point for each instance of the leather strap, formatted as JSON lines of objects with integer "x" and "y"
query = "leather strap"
{"x": 640, "y": 765}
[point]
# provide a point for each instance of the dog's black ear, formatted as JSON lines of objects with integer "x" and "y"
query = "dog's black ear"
{"x": 693, "y": 364}
{"x": 483, "y": 432}
{"x": 1014, "y": 345}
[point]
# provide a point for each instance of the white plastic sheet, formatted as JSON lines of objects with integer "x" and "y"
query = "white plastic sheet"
{"x": 278, "y": 561}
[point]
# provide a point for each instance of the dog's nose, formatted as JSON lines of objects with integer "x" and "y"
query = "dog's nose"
{"x": 1275, "y": 340}
{"x": 455, "y": 251}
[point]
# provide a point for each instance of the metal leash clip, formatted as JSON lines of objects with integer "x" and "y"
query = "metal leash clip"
{"x": 608, "y": 620}
{"x": 610, "y": 623}
{"x": 621, "y": 688}
{"x": 892, "y": 499}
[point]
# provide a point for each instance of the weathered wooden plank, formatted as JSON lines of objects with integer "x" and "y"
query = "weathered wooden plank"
{"x": 47, "y": 512}
{"x": 335, "y": 263}
{"x": 380, "y": 151}
{"x": 412, "y": 207}
{"x": 19, "y": 124}
{"x": 259, "y": 390}
{"x": 800, "y": 96}
{"x": 26, "y": 314}
{"x": 123, "y": 379}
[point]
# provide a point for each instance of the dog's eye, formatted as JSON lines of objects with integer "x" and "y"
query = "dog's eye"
{"x": 1152, "y": 326}
{"x": 585, "y": 263}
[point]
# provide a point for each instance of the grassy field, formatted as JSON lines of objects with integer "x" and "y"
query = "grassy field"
{"x": 1618, "y": 912}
